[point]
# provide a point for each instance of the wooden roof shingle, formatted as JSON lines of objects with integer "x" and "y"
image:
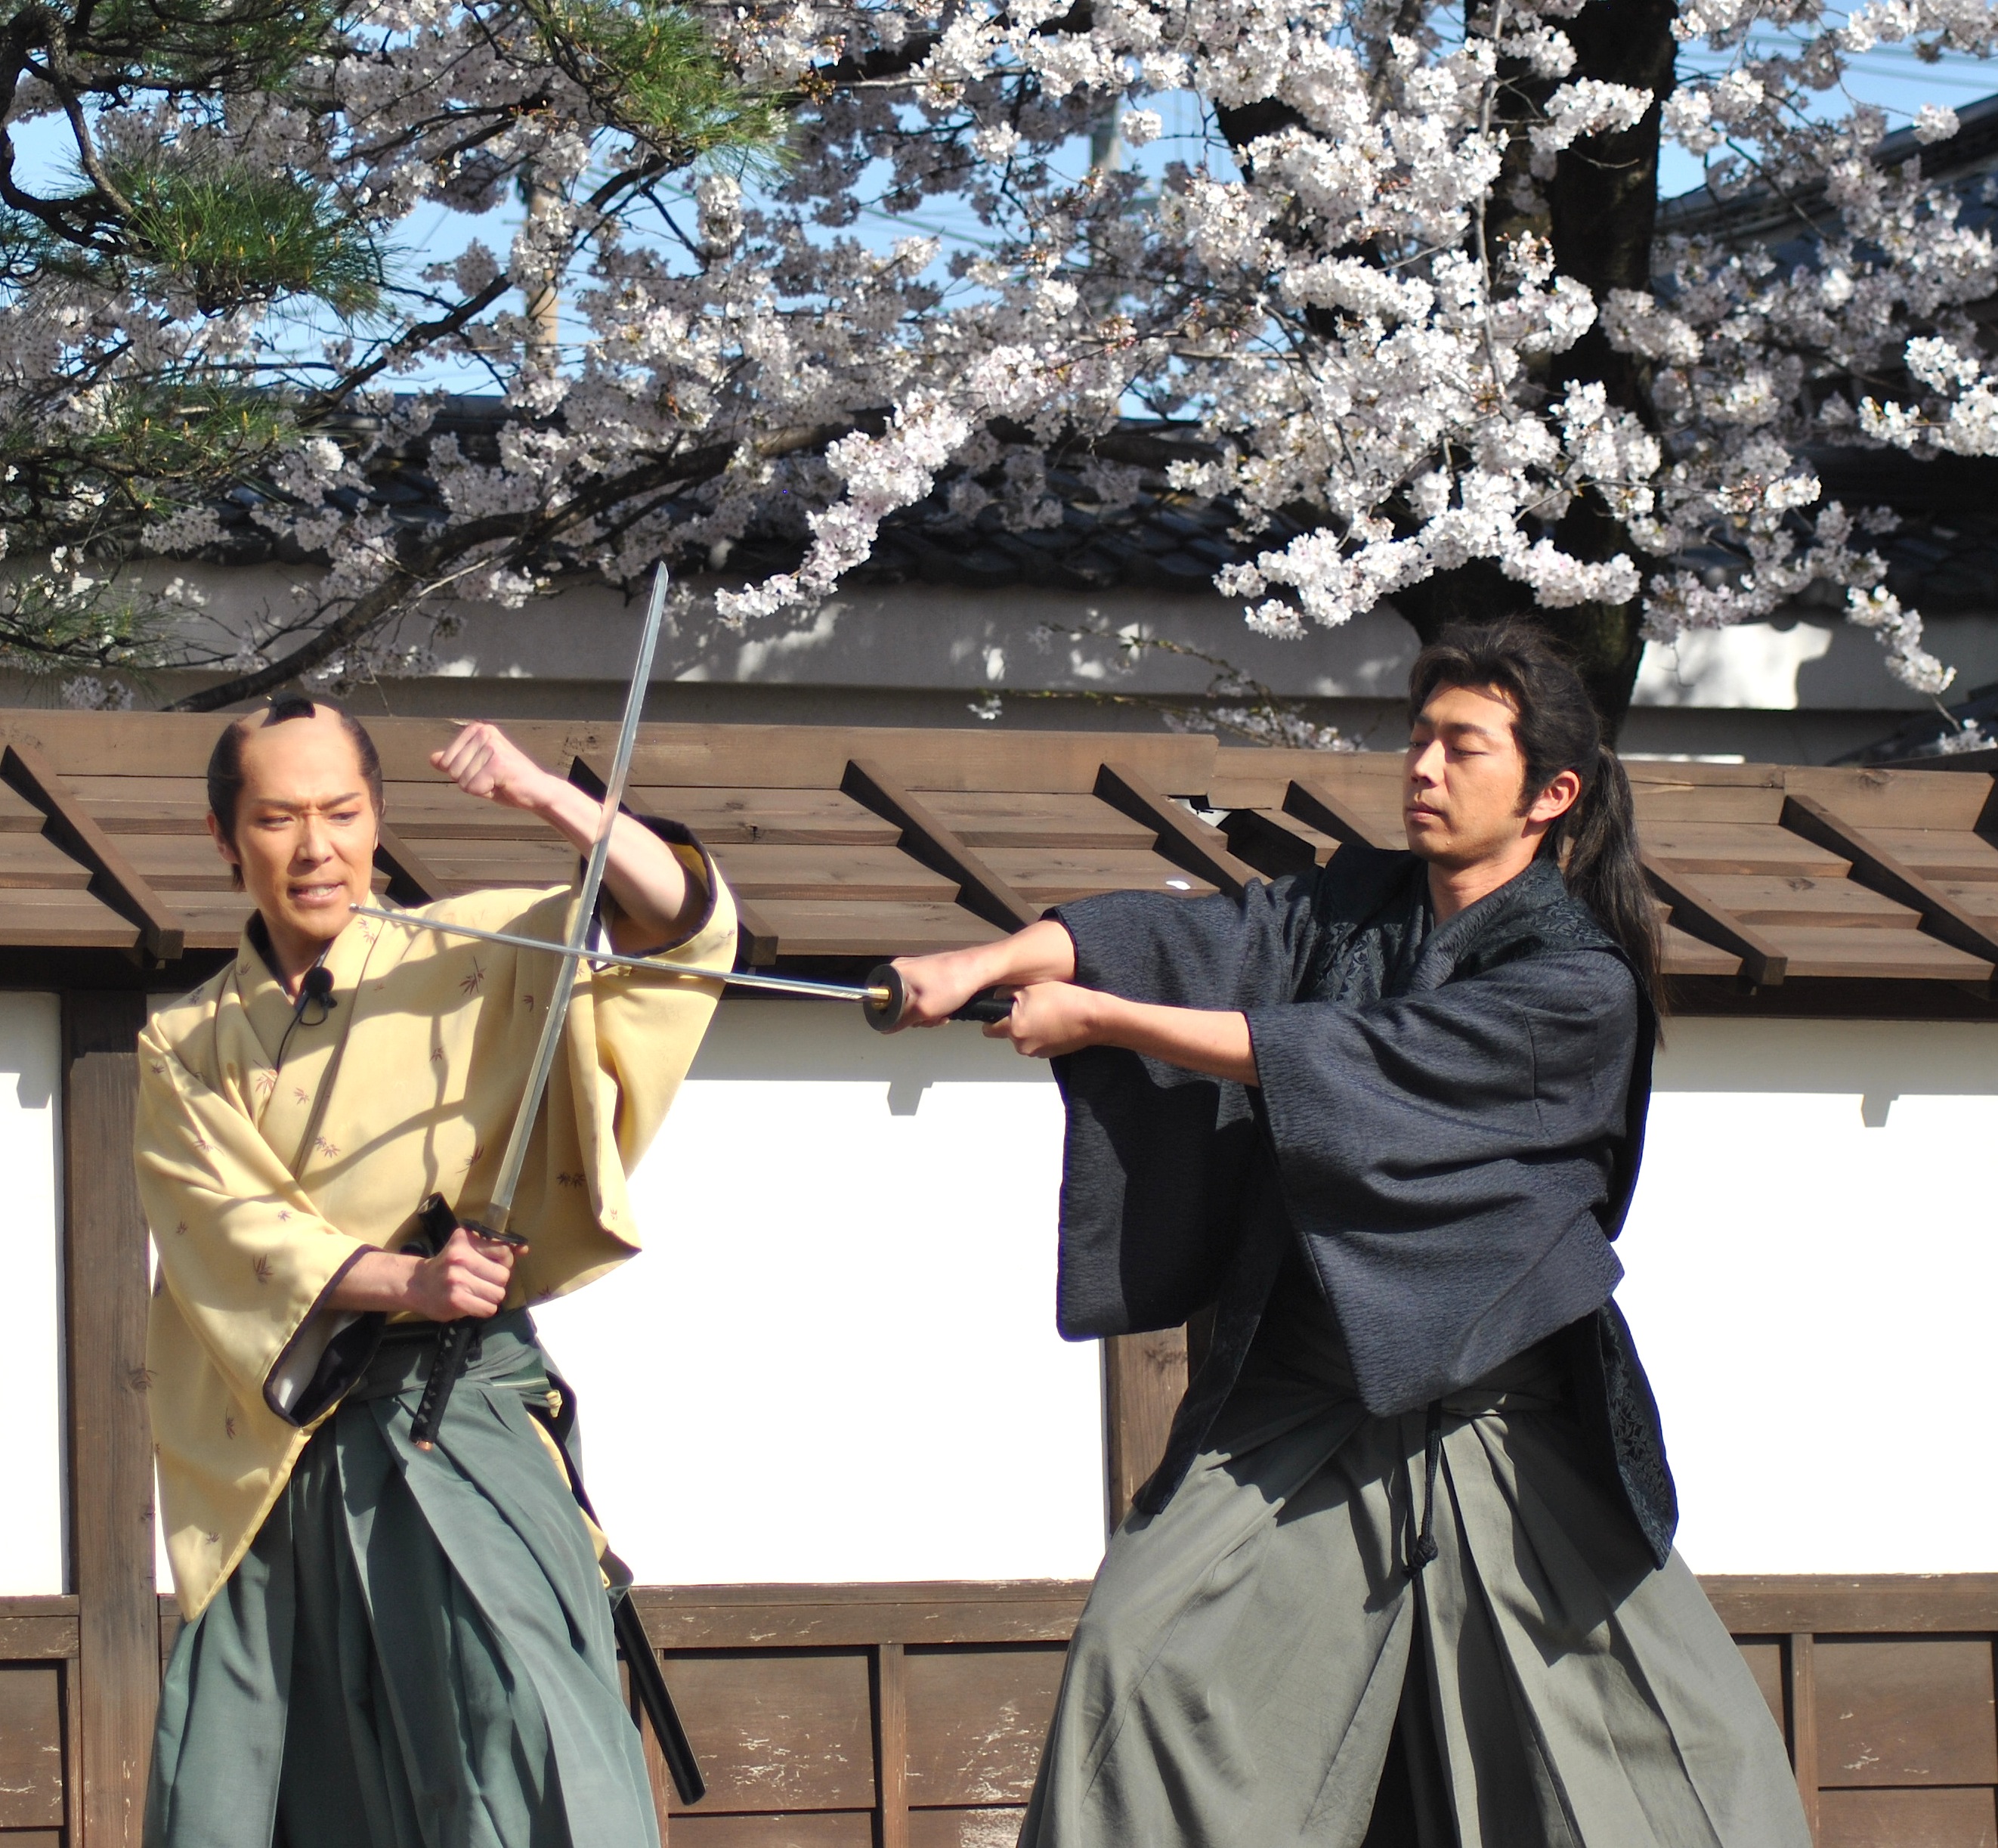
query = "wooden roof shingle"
{"x": 1781, "y": 888}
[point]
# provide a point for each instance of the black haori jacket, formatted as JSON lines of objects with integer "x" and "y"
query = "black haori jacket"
{"x": 1447, "y": 1128}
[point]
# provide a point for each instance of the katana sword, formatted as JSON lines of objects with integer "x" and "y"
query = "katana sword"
{"x": 883, "y": 1000}
{"x": 454, "y": 1338}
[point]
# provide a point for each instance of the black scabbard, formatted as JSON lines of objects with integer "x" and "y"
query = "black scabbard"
{"x": 650, "y": 1685}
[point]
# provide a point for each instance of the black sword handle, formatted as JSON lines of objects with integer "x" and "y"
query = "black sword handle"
{"x": 454, "y": 1339}
{"x": 650, "y": 1685}
{"x": 885, "y": 1016}
{"x": 453, "y": 1342}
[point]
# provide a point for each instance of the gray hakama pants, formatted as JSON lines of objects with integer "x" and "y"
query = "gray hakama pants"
{"x": 1253, "y": 1657}
{"x": 416, "y": 1652}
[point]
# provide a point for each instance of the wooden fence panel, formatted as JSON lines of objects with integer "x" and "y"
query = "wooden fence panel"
{"x": 911, "y": 1716}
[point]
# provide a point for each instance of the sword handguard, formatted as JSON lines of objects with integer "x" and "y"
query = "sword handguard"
{"x": 886, "y": 1016}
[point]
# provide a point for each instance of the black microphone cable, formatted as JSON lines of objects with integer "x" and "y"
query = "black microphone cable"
{"x": 316, "y": 987}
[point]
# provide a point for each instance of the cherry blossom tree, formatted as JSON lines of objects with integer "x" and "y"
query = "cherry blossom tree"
{"x": 1403, "y": 298}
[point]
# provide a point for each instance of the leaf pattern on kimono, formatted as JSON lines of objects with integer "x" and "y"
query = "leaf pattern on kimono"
{"x": 228, "y": 1430}
{"x": 261, "y": 1268}
{"x": 326, "y": 1148}
{"x": 476, "y": 980}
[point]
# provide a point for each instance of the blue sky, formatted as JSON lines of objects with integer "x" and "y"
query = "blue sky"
{"x": 1891, "y": 77}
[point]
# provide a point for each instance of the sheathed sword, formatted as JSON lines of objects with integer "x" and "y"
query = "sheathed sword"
{"x": 454, "y": 1338}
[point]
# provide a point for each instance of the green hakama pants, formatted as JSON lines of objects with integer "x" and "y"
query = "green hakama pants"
{"x": 417, "y": 1652}
{"x": 1257, "y": 1661}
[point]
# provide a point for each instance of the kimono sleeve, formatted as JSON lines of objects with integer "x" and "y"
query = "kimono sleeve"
{"x": 1156, "y": 1158}
{"x": 243, "y": 1252}
{"x": 1447, "y": 1157}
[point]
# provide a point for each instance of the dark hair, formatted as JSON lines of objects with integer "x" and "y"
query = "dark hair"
{"x": 225, "y": 762}
{"x": 1555, "y": 724}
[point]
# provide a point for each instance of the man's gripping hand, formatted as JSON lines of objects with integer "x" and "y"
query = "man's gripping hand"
{"x": 1050, "y": 1017}
{"x": 469, "y": 1277}
{"x": 483, "y": 761}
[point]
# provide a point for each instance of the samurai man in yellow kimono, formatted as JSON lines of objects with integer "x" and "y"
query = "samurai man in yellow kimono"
{"x": 388, "y": 1647}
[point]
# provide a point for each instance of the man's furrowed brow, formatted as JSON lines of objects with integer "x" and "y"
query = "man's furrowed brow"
{"x": 293, "y": 802}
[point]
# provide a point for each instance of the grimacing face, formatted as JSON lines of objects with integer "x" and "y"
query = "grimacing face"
{"x": 1463, "y": 780}
{"x": 305, "y": 832}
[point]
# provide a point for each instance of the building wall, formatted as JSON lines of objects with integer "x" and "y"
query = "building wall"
{"x": 32, "y": 1551}
{"x": 836, "y": 1360}
{"x": 1812, "y": 1273}
{"x": 1801, "y": 690}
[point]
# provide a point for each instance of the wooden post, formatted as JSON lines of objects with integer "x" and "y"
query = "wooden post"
{"x": 1799, "y": 1657}
{"x": 1144, "y": 1380}
{"x": 110, "y": 1439}
{"x": 891, "y": 1747}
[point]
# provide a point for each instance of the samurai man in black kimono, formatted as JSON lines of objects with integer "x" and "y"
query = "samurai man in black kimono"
{"x": 1405, "y": 1578}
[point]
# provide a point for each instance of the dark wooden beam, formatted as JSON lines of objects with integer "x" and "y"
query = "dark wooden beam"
{"x": 1880, "y": 871}
{"x": 105, "y": 1296}
{"x": 1144, "y": 1380}
{"x": 1273, "y": 849}
{"x": 411, "y": 880}
{"x": 1699, "y": 914}
{"x": 113, "y": 879}
{"x": 925, "y": 838}
{"x": 755, "y": 938}
{"x": 1180, "y": 836}
{"x": 1312, "y": 803}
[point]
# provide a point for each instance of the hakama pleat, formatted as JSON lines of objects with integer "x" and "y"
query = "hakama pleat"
{"x": 416, "y": 1652}
{"x": 1250, "y": 1654}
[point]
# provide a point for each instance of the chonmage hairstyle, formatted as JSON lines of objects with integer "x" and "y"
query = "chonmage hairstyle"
{"x": 225, "y": 762}
{"x": 1555, "y": 724}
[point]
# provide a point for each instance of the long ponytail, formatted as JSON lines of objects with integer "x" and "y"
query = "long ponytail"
{"x": 1557, "y": 729}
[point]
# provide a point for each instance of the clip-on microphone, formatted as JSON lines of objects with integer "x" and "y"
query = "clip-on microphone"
{"x": 317, "y": 985}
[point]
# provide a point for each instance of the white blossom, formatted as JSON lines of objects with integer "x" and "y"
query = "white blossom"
{"x": 1363, "y": 347}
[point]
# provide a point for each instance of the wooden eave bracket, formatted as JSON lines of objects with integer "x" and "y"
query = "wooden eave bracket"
{"x": 1699, "y": 914}
{"x": 411, "y": 880}
{"x": 924, "y": 838}
{"x": 756, "y": 939}
{"x": 114, "y": 880}
{"x": 1181, "y": 837}
{"x": 1874, "y": 867}
{"x": 1317, "y": 807}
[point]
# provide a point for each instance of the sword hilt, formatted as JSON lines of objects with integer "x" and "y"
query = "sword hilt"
{"x": 438, "y": 1222}
{"x": 886, "y": 1015}
{"x": 454, "y": 1343}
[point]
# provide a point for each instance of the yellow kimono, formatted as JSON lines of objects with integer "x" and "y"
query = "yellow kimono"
{"x": 263, "y": 1182}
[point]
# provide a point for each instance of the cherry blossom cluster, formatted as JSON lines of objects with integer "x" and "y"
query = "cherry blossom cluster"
{"x": 1311, "y": 237}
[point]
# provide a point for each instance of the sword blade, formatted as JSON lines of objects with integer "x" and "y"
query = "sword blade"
{"x": 740, "y": 978}
{"x": 501, "y": 1208}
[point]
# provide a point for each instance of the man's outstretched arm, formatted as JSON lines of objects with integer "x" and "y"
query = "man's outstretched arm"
{"x": 1051, "y": 1015}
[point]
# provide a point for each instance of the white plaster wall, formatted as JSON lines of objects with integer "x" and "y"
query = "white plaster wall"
{"x": 1814, "y": 1277}
{"x": 837, "y": 1359}
{"x": 31, "y": 1441}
